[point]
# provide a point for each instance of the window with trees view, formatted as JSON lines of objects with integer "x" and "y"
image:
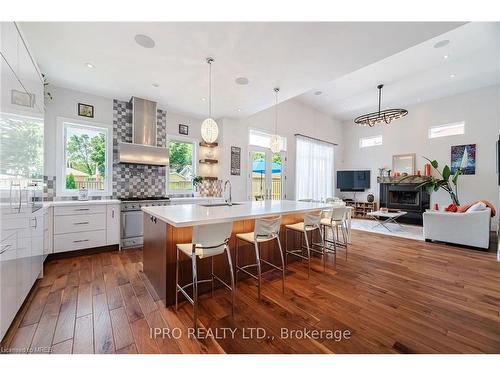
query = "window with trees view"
{"x": 86, "y": 159}
{"x": 182, "y": 165}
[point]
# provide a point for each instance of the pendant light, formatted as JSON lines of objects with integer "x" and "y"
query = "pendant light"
{"x": 385, "y": 116}
{"x": 275, "y": 142}
{"x": 209, "y": 128}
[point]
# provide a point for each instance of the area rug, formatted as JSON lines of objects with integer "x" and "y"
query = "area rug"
{"x": 413, "y": 232}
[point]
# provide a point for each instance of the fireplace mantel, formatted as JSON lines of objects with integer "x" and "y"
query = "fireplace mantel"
{"x": 402, "y": 179}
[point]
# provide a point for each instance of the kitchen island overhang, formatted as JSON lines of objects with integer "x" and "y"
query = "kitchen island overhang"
{"x": 167, "y": 226}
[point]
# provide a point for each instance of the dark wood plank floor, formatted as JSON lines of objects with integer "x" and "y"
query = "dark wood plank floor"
{"x": 392, "y": 295}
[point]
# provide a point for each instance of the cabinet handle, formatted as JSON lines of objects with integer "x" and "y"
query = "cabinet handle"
{"x": 81, "y": 223}
{"x": 82, "y": 209}
{"x": 5, "y": 248}
{"x": 81, "y": 241}
{"x": 35, "y": 221}
{"x": 113, "y": 214}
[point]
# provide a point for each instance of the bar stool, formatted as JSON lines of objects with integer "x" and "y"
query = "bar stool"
{"x": 312, "y": 222}
{"x": 266, "y": 229}
{"x": 337, "y": 218}
{"x": 208, "y": 241}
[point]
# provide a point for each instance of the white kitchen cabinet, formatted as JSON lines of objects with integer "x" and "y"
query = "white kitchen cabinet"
{"x": 48, "y": 231}
{"x": 84, "y": 225}
{"x": 113, "y": 224}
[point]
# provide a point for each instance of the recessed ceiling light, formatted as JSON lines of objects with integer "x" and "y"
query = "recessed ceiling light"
{"x": 89, "y": 65}
{"x": 238, "y": 109}
{"x": 452, "y": 75}
{"x": 144, "y": 41}
{"x": 445, "y": 57}
{"x": 441, "y": 43}
{"x": 318, "y": 92}
{"x": 155, "y": 85}
{"x": 241, "y": 81}
{"x": 203, "y": 99}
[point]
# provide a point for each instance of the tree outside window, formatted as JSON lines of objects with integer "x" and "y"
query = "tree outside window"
{"x": 181, "y": 169}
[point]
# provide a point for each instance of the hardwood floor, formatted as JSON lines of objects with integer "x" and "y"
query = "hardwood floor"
{"x": 392, "y": 295}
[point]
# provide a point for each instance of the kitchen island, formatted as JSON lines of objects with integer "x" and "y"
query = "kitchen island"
{"x": 167, "y": 226}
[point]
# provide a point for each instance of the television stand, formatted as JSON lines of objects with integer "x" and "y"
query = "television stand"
{"x": 361, "y": 208}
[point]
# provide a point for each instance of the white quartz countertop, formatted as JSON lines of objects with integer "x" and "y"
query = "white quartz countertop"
{"x": 75, "y": 202}
{"x": 195, "y": 199}
{"x": 186, "y": 215}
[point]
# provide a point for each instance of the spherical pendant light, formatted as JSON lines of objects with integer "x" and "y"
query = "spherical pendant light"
{"x": 209, "y": 128}
{"x": 275, "y": 143}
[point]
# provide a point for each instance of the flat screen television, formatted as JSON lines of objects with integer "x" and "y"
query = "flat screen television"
{"x": 353, "y": 180}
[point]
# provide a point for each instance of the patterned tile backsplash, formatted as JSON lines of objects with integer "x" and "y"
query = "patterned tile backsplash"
{"x": 135, "y": 180}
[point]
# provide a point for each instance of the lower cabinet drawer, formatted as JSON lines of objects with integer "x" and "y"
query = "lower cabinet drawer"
{"x": 79, "y": 223}
{"x": 78, "y": 241}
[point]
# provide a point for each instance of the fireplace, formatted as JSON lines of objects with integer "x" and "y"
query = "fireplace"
{"x": 407, "y": 197}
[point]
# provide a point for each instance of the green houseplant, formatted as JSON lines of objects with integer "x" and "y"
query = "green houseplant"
{"x": 197, "y": 181}
{"x": 446, "y": 181}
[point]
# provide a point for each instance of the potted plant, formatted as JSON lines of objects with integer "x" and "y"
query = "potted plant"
{"x": 446, "y": 181}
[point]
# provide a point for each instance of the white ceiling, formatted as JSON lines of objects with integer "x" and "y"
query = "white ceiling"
{"x": 295, "y": 56}
{"x": 417, "y": 74}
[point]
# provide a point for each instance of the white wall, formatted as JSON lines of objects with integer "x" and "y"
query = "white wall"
{"x": 65, "y": 104}
{"x": 294, "y": 117}
{"x": 480, "y": 111}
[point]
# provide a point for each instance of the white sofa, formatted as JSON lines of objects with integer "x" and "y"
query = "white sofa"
{"x": 468, "y": 228}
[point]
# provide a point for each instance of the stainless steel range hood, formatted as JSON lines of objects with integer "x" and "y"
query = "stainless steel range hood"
{"x": 143, "y": 149}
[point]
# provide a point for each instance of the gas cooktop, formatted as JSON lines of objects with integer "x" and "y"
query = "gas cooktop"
{"x": 138, "y": 199}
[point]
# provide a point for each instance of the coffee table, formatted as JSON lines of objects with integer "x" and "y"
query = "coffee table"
{"x": 384, "y": 218}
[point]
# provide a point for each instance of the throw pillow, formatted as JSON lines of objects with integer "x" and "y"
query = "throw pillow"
{"x": 479, "y": 206}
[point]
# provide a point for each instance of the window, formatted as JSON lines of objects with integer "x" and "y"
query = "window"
{"x": 370, "y": 141}
{"x": 314, "y": 169}
{"x": 446, "y": 130}
{"x": 182, "y": 156}
{"x": 84, "y": 158}
{"x": 261, "y": 138}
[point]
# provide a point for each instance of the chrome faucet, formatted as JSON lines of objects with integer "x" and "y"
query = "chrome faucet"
{"x": 230, "y": 200}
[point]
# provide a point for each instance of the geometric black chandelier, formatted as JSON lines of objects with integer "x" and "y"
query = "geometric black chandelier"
{"x": 385, "y": 116}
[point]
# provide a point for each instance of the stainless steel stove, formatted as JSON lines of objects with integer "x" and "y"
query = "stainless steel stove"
{"x": 132, "y": 219}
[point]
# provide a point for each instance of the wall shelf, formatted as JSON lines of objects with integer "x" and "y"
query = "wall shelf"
{"x": 209, "y": 161}
{"x": 210, "y": 145}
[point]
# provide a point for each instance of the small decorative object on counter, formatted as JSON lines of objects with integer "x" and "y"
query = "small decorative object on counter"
{"x": 436, "y": 207}
{"x": 370, "y": 198}
{"x": 388, "y": 172}
{"x": 427, "y": 170}
{"x": 418, "y": 173}
{"x": 83, "y": 194}
{"x": 381, "y": 172}
{"x": 384, "y": 209}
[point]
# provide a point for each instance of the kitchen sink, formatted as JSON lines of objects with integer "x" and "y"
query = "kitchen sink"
{"x": 219, "y": 204}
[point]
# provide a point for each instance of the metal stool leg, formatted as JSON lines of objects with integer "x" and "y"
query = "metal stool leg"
{"x": 308, "y": 255}
{"x": 286, "y": 247}
{"x": 282, "y": 263}
{"x": 231, "y": 273}
{"x": 212, "y": 275}
{"x": 176, "y": 279}
{"x": 259, "y": 271}
{"x": 195, "y": 292}
{"x": 236, "y": 262}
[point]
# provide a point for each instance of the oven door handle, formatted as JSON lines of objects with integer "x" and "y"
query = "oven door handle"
{"x": 124, "y": 223}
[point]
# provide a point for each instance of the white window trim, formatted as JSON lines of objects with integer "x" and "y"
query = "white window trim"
{"x": 451, "y": 124}
{"x": 61, "y": 190}
{"x": 361, "y": 139}
{"x": 270, "y": 134}
{"x": 185, "y": 139}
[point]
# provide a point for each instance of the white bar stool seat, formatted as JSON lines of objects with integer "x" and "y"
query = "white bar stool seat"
{"x": 208, "y": 241}
{"x": 336, "y": 218}
{"x": 312, "y": 222}
{"x": 266, "y": 229}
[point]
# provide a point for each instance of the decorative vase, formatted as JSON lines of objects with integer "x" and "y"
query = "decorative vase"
{"x": 370, "y": 198}
{"x": 427, "y": 170}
